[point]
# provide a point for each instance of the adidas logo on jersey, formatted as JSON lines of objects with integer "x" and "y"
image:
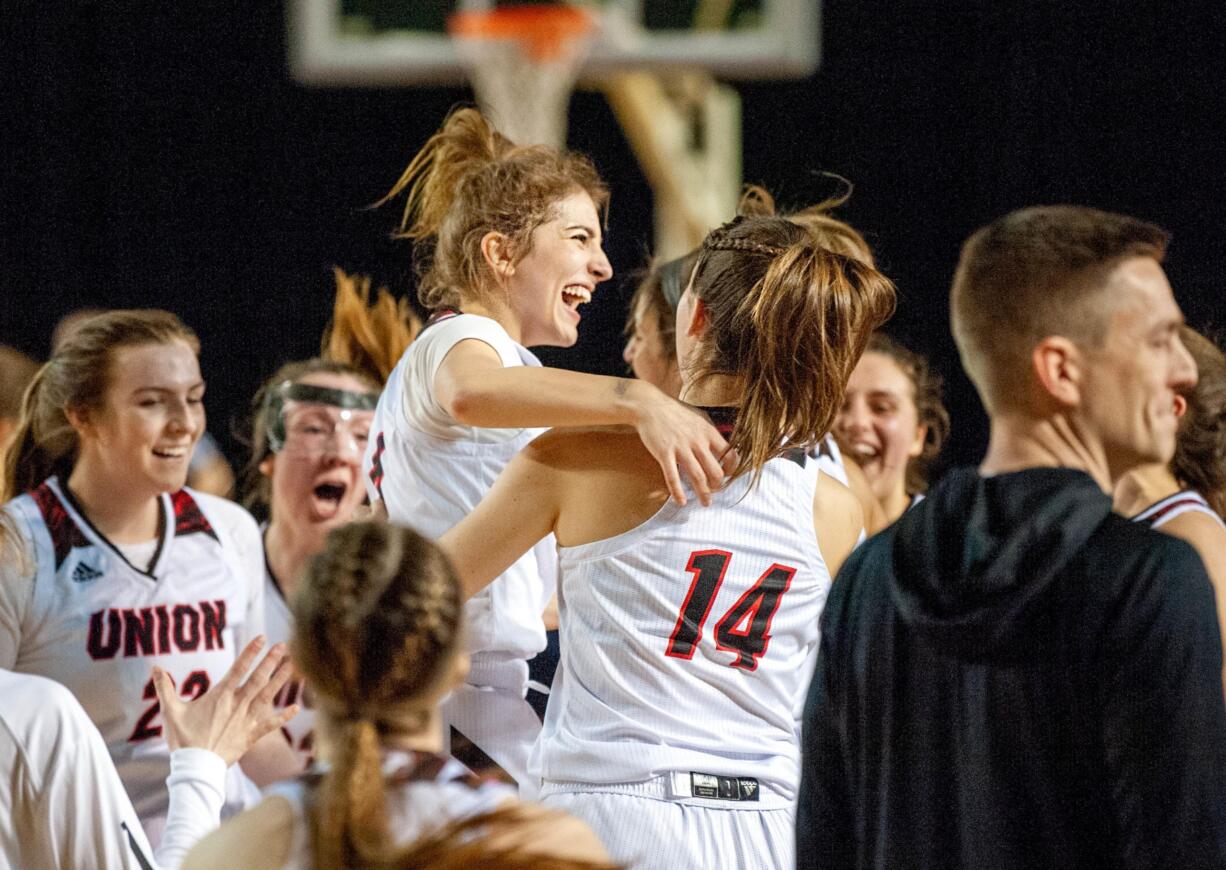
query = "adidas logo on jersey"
{"x": 84, "y": 573}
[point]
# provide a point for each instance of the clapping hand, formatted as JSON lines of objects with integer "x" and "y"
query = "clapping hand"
{"x": 235, "y": 713}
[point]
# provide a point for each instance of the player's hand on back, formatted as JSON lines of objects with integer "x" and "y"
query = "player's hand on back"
{"x": 234, "y": 714}
{"x": 685, "y": 442}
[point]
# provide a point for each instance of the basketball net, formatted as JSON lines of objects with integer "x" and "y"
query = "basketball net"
{"x": 523, "y": 62}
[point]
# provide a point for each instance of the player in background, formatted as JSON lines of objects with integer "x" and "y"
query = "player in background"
{"x": 686, "y": 631}
{"x": 309, "y": 426}
{"x": 1187, "y": 497}
{"x": 208, "y": 470}
{"x": 893, "y": 422}
{"x": 122, "y": 567}
{"x": 16, "y": 372}
{"x": 507, "y": 246}
{"x": 377, "y": 634}
{"x": 651, "y": 350}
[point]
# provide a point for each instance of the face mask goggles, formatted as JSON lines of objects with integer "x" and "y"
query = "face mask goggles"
{"x": 310, "y": 421}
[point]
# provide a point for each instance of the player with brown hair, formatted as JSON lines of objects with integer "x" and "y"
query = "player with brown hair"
{"x": 308, "y": 429}
{"x": 122, "y": 566}
{"x": 378, "y": 637}
{"x": 507, "y": 247}
{"x": 1011, "y": 675}
{"x": 1187, "y": 496}
{"x": 893, "y": 422}
{"x": 674, "y": 738}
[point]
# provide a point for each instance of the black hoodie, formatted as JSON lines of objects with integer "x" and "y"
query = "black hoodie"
{"x": 1011, "y": 676}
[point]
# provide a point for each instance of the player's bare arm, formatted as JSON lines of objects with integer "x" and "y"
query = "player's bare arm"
{"x": 838, "y": 520}
{"x": 476, "y": 389}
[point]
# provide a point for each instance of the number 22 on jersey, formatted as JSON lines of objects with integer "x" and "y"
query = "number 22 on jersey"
{"x": 745, "y": 628}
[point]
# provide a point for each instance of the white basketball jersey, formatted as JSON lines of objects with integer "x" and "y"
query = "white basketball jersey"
{"x": 686, "y": 641}
{"x": 278, "y": 626}
{"x": 1162, "y": 512}
{"x": 61, "y": 804}
{"x": 424, "y": 793}
{"x": 85, "y": 617}
{"x": 830, "y": 459}
{"x": 431, "y": 471}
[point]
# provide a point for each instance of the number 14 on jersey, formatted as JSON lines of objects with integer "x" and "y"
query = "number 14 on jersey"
{"x": 745, "y": 628}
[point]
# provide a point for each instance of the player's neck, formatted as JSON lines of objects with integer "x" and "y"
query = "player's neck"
{"x": 714, "y": 391}
{"x": 1019, "y": 442}
{"x": 123, "y": 515}
{"x": 501, "y": 314}
{"x": 1142, "y": 487}
{"x": 287, "y": 550}
{"x": 895, "y": 503}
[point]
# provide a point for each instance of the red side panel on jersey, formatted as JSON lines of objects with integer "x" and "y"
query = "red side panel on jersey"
{"x": 63, "y": 531}
{"x": 188, "y": 516}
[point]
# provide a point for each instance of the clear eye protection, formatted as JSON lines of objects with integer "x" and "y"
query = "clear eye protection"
{"x": 310, "y": 421}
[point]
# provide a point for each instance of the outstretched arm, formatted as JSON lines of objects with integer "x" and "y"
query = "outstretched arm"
{"x": 520, "y": 509}
{"x": 476, "y": 389}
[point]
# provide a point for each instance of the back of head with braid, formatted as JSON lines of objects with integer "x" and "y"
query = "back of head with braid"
{"x": 830, "y": 232}
{"x": 791, "y": 317}
{"x": 377, "y": 627}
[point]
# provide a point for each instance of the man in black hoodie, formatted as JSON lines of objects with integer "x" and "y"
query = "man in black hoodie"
{"x": 1012, "y": 676}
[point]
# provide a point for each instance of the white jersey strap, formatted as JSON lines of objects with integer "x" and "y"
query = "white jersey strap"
{"x": 1162, "y": 512}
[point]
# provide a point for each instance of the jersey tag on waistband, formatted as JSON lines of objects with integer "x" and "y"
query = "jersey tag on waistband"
{"x": 723, "y": 788}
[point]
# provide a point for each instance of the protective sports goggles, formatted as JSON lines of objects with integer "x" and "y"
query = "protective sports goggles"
{"x": 308, "y": 420}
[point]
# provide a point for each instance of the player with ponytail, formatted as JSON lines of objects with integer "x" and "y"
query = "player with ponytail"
{"x": 687, "y": 632}
{"x": 378, "y": 638}
{"x": 122, "y": 566}
{"x": 507, "y": 247}
{"x": 308, "y": 428}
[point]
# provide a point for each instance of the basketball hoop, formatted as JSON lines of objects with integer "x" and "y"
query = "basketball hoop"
{"x": 523, "y": 61}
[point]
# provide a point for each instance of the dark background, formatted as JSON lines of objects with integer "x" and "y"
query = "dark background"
{"x": 163, "y": 157}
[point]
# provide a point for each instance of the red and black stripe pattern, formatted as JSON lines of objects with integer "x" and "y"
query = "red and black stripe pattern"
{"x": 188, "y": 517}
{"x": 64, "y": 532}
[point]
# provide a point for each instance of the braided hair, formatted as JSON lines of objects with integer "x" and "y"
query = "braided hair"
{"x": 377, "y": 628}
{"x": 791, "y": 318}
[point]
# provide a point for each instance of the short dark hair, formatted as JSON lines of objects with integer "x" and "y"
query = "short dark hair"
{"x": 1033, "y": 273}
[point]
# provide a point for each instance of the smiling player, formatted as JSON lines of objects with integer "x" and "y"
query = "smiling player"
{"x": 124, "y": 568}
{"x": 508, "y": 248}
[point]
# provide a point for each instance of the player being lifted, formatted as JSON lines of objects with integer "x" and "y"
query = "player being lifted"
{"x": 508, "y": 246}
{"x": 686, "y": 631}
{"x": 124, "y": 568}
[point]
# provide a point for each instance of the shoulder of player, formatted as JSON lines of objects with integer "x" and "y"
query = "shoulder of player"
{"x": 44, "y": 706}
{"x": 834, "y": 502}
{"x": 255, "y": 839}
{"x": 585, "y": 447}
{"x": 227, "y": 515}
{"x": 546, "y": 832}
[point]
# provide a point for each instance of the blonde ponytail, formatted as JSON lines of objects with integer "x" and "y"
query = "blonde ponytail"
{"x": 349, "y": 820}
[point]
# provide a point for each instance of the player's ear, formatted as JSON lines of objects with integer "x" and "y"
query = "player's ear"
{"x": 1181, "y": 407}
{"x": 698, "y": 319}
{"x": 267, "y": 464}
{"x": 459, "y": 670}
{"x": 496, "y": 250}
{"x": 78, "y": 419}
